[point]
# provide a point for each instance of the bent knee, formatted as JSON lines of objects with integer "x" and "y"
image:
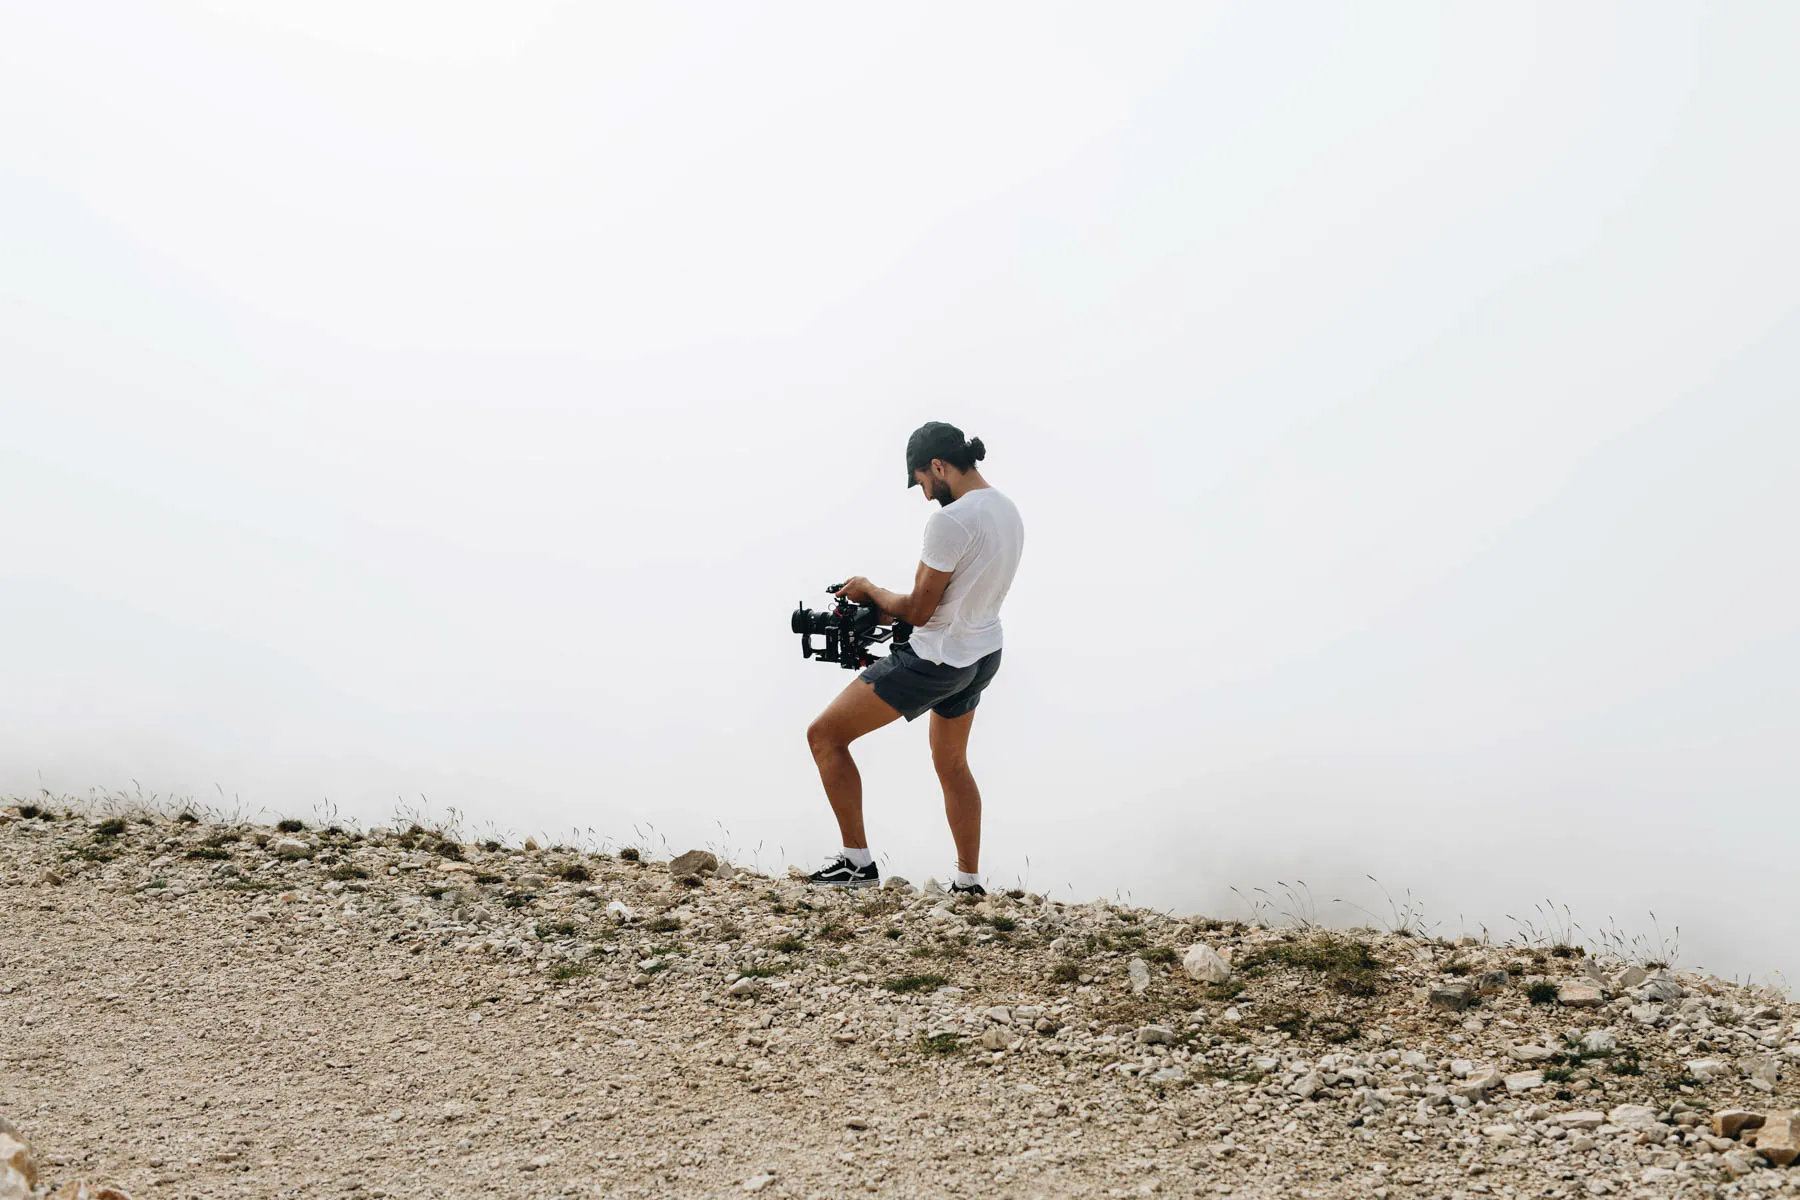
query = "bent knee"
{"x": 820, "y": 737}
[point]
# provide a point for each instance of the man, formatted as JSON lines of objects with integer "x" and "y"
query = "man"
{"x": 972, "y": 547}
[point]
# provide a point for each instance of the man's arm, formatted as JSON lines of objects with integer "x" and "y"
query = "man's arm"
{"x": 914, "y": 607}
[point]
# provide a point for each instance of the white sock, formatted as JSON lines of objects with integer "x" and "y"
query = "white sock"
{"x": 858, "y": 858}
{"x": 968, "y": 879}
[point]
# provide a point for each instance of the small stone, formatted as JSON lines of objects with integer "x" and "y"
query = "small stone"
{"x": 1156, "y": 1035}
{"x": 856, "y": 1123}
{"x": 1524, "y": 1081}
{"x": 81, "y": 1189}
{"x": 1139, "y": 971}
{"x": 994, "y": 1038}
{"x": 1599, "y": 1041}
{"x": 895, "y": 883}
{"x": 1779, "y": 1138}
{"x": 1489, "y": 982}
{"x": 1308, "y": 1085}
{"x": 1765, "y": 1073}
{"x": 1528, "y": 1054}
{"x": 1729, "y": 1122}
{"x": 50, "y": 877}
{"x": 741, "y": 987}
{"x": 694, "y": 863}
{"x": 1586, "y": 1121}
{"x": 1454, "y": 998}
{"x": 1739, "y": 1162}
{"x": 1707, "y": 1069}
{"x": 1205, "y": 965}
{"x": 619, "y": 911}
{"x": 531, "y": 845}
{"x": 758, "y": 1182}
{"x": 291, "y": 848}
{"x": 18, "y": 1165}
{"x": 1479, "y": 1083}
{"x": 1632, "y": 976}
{"x": 1580, "y": 995}
{"x": 999, "y": 1014}
{"x": 1633, "y": 1116}
{"x": 1660, "y": 989}
{"x": 1169, "y": 1074}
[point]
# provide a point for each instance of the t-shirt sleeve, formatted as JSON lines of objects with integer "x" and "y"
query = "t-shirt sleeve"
{"x": 945, "y": 542}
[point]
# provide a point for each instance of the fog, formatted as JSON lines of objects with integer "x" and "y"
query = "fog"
{"x": 446, "y": 404}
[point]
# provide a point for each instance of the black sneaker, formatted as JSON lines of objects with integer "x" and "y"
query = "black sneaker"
{"x": 974, "y": 889}
{"x": 839, "y": 871}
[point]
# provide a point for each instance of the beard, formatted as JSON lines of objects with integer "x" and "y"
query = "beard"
{"x": 940, "y": 491}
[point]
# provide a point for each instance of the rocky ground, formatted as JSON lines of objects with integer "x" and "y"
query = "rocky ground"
{"x": 193, "y": 1009}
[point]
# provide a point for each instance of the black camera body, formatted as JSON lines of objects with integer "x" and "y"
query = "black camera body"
{"x": 849, "y": 630}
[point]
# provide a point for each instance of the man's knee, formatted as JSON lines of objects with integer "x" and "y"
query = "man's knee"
{"x": 950, "y": 764}
{"x": 822, "y": 739}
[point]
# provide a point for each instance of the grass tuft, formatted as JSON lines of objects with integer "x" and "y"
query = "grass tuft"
{"x": 915, "y": 983}
{"x": 290, "y": 825}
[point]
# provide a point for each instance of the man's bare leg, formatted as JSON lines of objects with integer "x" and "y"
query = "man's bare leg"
{"x": 962, "y": 799}
{"x": 856, "y": 711}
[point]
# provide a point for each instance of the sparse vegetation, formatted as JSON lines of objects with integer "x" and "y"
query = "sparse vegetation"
{"x": 1541, "y": 993}
{"x": 1348, "y": 965}
{"x": 915, "y": 983}
{"x": 108, "y": 829}
{"x": 347, "y": 871}
{"x": 290, "y": 825}
{"x": 208, "y": 852}
{"x": 572, "y": 871}
{"x": 786, "y": 945}
{"x": 630, "y": 854}
{"x": 939, "y": 1043}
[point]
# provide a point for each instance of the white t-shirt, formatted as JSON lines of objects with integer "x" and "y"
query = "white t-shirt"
{"x": 978, "y": 539}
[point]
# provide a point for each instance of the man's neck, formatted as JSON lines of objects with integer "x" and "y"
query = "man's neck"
{"x": 971, "y": 481}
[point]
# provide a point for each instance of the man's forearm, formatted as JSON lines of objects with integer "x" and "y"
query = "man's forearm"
{"x": 896, "y": 604}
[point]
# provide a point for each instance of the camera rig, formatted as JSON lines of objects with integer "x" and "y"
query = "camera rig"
{"x": 849, "y": 629}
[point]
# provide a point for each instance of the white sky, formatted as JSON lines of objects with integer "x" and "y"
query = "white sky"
{"x": 454, "y": 399}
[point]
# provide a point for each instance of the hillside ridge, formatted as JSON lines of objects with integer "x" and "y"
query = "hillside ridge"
{"x": 206, "y": 1008}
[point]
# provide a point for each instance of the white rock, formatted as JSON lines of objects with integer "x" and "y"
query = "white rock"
{"x": 1527, "y": 1054}
{"x": 1633, "y": 1116}
{"x": 1524, "y": 1081}
{"x": 1156, "y": 1035}
{"x": 757, "y": 1183}
{"x": 1205, "y": 965}
{"x": 18, "y": 1166}
{"x": 1707, "y": 1069}
{"x": 1586, "y": 1121}
{"x": 291, "y": 848}
{"x": 1599, "y": 1041}
{"x": 999, "y": 1014}
{"x": 1139, "y": 971}
{"x": 1308, "y": 1085}
{"x": 619, "y": 911}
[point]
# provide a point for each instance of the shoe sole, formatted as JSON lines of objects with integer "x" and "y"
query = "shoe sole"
{"x": 848, "y": 883}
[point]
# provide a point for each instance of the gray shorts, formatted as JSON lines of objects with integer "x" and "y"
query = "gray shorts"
{"x": 910, "y": 684}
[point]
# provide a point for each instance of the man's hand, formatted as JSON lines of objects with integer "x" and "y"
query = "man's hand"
{"x": 857, "y": 590}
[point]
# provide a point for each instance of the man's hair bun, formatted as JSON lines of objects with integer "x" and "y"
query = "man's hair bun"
{"x": 977, "y": 451}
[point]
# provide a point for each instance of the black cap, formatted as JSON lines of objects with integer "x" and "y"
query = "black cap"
{"x": 933, "y": 439}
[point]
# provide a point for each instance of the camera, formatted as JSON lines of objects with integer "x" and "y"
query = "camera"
{"x": 848, "y": 629}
